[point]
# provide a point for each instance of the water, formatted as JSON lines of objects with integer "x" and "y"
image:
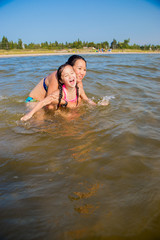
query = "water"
{"x": 94, "y": 176}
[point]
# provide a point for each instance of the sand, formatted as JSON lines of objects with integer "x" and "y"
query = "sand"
{"x": 80, "y": 53}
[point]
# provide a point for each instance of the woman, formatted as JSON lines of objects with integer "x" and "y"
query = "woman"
{"x": 49, "y": 84}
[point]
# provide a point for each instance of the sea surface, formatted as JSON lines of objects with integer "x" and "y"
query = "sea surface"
{"x": 93, "y": 175}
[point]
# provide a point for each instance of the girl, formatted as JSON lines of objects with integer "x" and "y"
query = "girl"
{"x": 68, "y": 95}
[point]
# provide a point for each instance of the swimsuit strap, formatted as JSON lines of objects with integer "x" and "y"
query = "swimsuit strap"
{"x": 65, "y": 95}
{"x": 44, "y": 84}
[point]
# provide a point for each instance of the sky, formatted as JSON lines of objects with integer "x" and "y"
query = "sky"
{"x": 64, "y": 21}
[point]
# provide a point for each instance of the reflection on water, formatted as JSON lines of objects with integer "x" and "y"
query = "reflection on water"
{"x": 92, "y": 173}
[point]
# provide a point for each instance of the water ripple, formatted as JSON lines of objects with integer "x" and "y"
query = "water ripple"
{"x": 99, "y": 165}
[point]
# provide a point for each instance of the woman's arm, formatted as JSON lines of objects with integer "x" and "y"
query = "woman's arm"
{"x": 85, "y": 98}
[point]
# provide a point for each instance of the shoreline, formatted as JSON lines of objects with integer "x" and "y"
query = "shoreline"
{"x": 70, "y": 53}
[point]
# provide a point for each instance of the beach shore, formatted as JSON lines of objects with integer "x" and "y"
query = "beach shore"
{"x": 22, "y": 53}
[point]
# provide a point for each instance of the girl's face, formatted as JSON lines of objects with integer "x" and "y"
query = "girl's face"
{"x": 68, "y": 76}
{"x": 80, "y": 69}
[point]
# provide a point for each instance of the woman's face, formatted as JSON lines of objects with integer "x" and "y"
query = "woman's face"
{"x": 80, "y": 69}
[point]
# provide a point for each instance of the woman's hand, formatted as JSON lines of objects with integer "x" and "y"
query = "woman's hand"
{"x": 104, "y": 102}
{"x": 91, "y": 102}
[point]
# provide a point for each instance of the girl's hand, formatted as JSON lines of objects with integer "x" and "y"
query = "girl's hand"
{"x": 26, "y": 117}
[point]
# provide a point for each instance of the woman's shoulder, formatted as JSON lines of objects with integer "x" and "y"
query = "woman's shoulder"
{"x": 80, "y": 85}
{"x": 52, "y": 82}
{"x": 52, "y": 77}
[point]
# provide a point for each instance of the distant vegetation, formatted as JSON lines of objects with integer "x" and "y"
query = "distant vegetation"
{"x": 9, "y": 45}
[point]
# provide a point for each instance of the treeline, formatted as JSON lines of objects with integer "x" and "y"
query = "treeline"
{"x": 8, "y": 45}
{"x": 125, "y": 45}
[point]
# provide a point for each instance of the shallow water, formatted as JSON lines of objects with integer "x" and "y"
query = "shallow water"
{"x": 93, "y": 176}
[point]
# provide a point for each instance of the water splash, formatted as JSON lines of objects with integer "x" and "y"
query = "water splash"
{"x": 105, "y": 100}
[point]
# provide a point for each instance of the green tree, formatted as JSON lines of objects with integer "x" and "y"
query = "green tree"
{"x": 56, "y": 43}
{"x": 31, "y": 46}
{"x": 25, "y": 46}
{"x": 5, "y": 43}
{"x": 19, "y": 45}
{"x": 125, "y": 43}
{"x": 105, "y": 44}
{"x": 120, "y": 45}
{"x": 11, "y": 45}
{"x": 114, "y": 44}
{"x": 91, "y": 44}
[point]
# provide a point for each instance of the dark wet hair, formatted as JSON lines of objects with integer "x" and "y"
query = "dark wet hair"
{"x": 72, "y": 59}
{"x": 60, "y": 84}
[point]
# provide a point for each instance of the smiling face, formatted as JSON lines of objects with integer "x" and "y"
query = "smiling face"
{"x": 80, "y": 69}
{"x": 68, "y": 76}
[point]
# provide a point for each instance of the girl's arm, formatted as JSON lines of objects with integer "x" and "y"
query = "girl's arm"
{"x": 53, "y": 98}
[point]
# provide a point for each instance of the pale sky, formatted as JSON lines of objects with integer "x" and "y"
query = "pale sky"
{"x": 92, "y": 20}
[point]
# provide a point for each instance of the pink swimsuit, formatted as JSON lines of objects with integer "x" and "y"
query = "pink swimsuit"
{"x": 65, "y": 95}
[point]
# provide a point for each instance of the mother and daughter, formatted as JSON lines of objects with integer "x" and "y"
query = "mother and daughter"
{"x": 61, "y": 89}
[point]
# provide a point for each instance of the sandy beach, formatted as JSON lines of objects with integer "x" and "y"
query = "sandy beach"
{"x": 31, "y": 53}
